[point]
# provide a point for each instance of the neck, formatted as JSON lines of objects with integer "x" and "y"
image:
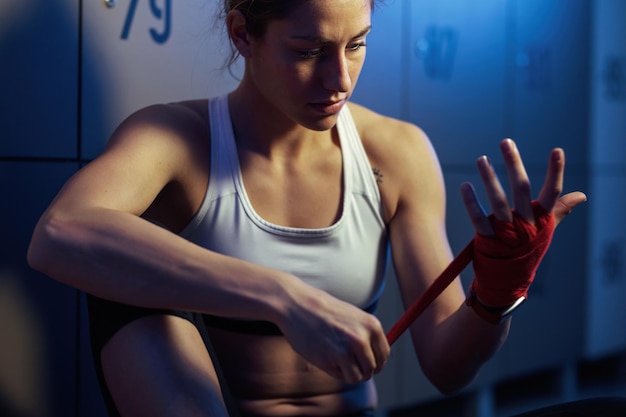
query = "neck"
{"x": 261, "y": 128}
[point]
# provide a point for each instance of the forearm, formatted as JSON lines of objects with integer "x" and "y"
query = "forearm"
{"x": 459, "y": 346}
{"x": 122, "y": 257}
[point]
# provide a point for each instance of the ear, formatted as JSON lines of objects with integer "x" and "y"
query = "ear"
{"x": 238, "y": 33}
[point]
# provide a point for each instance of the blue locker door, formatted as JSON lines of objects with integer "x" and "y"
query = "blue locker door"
{"x": 38, "y": 73}
{"x": 136, "y": 53}
{"x": 457, "y": 80}
{"x": 606, "y": 310}
{"x": 37, "y": 315}
{"x": 382, "y": 83}
{"x": 550, "y": 66}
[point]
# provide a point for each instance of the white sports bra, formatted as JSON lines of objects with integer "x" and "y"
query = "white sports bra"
{"x": 346, "y": 259}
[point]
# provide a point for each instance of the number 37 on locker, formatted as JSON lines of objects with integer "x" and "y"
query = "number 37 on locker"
{"x": 161, "y": 11}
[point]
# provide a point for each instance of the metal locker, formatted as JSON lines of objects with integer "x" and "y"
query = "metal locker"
{"x": 38, "y": 73}
{"x": 381, "y": 85}
{"x": 38, "y": 352}
{"x": 549, "y": 95}
{"x": 457, "y": 78}
{"x": 606, "y": 288}
{"x": 141, "y": 52}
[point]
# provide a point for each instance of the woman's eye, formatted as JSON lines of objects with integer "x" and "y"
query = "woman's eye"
{"x": 310, "y": 53}
{"x": 319, "y": 52}
{"x": 356, "y": 46}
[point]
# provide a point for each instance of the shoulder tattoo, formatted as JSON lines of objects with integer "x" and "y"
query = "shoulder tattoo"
{"x": 377, "y": 175}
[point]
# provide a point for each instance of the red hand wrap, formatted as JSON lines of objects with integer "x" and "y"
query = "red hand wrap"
{"x": 505, "y": 270}
{"x": 505, "y": 265}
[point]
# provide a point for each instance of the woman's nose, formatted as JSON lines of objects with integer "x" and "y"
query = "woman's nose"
{"x": 337, "y": 74}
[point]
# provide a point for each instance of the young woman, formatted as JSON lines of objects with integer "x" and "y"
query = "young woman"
{"x": 234, "y": 248}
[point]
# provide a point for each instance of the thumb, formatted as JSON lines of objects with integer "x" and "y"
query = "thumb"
{"x": 566, "y": 204}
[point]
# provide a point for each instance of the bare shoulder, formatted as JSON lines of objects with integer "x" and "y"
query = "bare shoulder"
{"x": 160, "y": 150}
{"x": 402, "y": 155}
{"x": 162, "y": 121}
{"x": 394, "y": 144}
{"x": 175, "y": 136}
{"x": 386, "y": 137}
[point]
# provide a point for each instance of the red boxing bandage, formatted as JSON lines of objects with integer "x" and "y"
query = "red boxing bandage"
{"x": 504, "y": 267}
{"x": 505, "y": 264}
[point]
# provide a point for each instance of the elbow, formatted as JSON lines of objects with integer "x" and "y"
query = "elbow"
{"x": 448, "y": 388}
{"x": 35, "y": 257}
{"x": 39, "y": 255}
{"x": 449, "y": 379}
{"x": 451, "y": 385}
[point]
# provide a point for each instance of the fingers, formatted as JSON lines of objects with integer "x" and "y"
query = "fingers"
{"x": 350, "y": 345}
{"x": 370, "y": 354}
{"x": 477, "y": 214}
{"x": 382, "y": 353}
{"x": 495, "y": 193}
{"x": 518, "y": 179}
{"x": 380, "y": 347}
{"x": 553, "y": 185}
{"x": 359, "y": 364}
{"x": 519, "y": 184}
{"x": 350, "y": 372}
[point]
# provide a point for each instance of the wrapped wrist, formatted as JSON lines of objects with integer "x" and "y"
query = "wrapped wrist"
{"x": 493, "y": 315}
{"x": 505, "y": 264}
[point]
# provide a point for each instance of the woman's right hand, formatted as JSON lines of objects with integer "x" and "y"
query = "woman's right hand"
{"x": 342, "y": 340}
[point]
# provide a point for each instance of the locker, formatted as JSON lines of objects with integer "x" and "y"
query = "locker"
{"x": 607, "y": 267}
{"x": 39, "y": 55}
{"x": 381, "y": 84}
{"x": 549, "y": 101}
{"x": 39, "y": 315}
{"x": 606, "y": 315}
{"x": 608, "y": 88}
{"x": 457, "y": 81}
{"x": 136, "y": 53}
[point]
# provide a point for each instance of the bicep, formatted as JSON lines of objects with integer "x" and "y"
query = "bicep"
{"x": 139, "y": 160}
{"x": 110, "y": 182}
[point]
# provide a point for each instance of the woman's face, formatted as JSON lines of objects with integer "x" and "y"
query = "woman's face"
{"x": 307, "y": 65}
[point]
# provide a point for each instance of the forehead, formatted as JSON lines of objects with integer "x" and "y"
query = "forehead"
{"x": 327, "y": 19}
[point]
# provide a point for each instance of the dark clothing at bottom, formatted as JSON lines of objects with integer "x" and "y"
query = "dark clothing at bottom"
{"x": 107, "y": 317}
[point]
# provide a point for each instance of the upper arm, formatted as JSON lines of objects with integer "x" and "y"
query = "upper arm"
{"x": 418, "y": 236}
{"x": 148, "y": 151}
{"x": 414, "y": 201}
{"x": 418, "y": 233}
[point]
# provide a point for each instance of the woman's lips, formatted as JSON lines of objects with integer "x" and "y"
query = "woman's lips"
{"x": 328, "y": 107}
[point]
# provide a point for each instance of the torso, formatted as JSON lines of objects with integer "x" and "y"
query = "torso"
{"x": 266, "y": 376}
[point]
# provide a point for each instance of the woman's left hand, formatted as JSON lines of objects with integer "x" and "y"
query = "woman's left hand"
{"x": 549, "y": 197}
